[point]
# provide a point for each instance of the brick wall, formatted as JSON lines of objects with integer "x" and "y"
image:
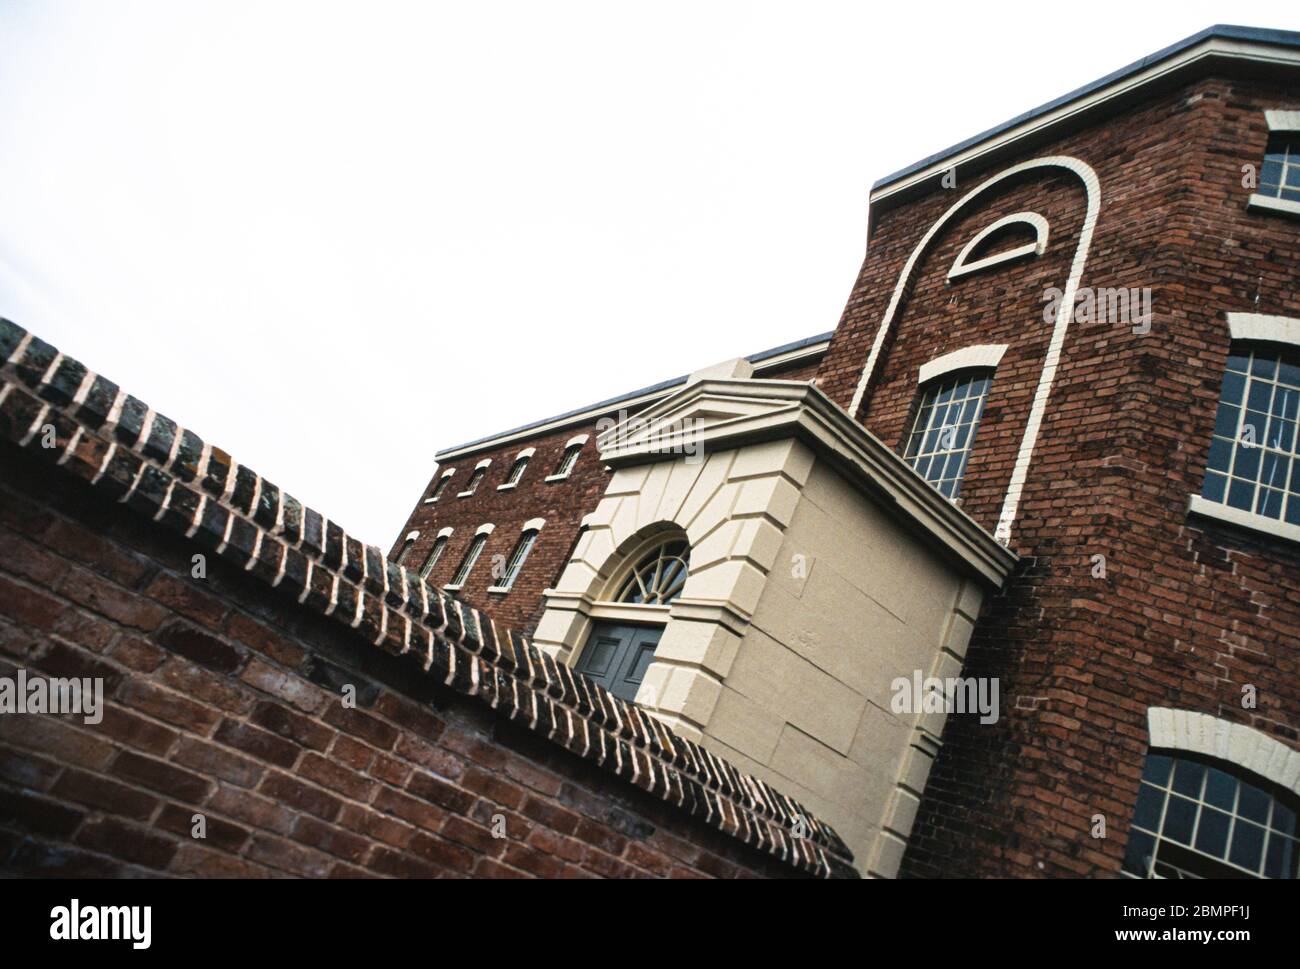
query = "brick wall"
{"x": 224, "y": 694}
{"x": 1189, "y": 610}
{"x": 562, "y": 503}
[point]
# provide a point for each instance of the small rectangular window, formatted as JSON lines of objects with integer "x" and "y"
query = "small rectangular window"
{"x": 567, "y": 462}
{"x": 472, "y": 485}
{"x": 435, "y": 553}
{"x": 517, "y": 559}
{"x": 516, "y": 471}
{"x": 467, "y": 563}
{"x": 943, "y": 433}
{"x": 1280, "y": 176}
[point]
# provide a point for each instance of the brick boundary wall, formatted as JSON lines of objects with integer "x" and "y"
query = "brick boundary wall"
{"x": 137, "y": 457}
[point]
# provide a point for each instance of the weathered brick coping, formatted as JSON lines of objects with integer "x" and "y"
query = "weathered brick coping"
{"x": 145, "y": 460}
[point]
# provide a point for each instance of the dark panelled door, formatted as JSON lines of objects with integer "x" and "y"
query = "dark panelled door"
{"x": 617, "y": 656}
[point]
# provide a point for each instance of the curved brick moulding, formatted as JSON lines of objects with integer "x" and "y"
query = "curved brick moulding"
{"x": 137, "y": 456}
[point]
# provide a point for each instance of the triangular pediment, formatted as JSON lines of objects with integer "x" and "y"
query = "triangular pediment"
{"x": 708, "y": 416}
{"x": 701, "y": 416}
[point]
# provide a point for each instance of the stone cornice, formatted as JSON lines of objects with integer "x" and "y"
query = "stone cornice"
{"x": 714, "y": 415}
{"x": 1218, "y": 48}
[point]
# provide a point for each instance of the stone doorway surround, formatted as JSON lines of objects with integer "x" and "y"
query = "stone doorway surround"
{"x": 822, "y": 569}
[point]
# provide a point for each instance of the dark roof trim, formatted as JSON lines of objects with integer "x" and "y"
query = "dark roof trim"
{"x": 1280, "y": 38}
{"x": 790, "y": 347}
{"x": 756, "y": 358}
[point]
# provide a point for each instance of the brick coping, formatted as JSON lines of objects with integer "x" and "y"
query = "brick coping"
{"x": 139, "y": 457}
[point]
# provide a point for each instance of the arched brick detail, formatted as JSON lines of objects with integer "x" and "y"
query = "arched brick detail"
{"x": 1236, "y": 743}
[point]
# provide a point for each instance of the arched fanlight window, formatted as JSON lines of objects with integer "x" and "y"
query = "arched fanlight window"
{"x": 659, "y": 575}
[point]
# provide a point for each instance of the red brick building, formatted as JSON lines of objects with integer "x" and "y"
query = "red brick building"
{"x": 541, "y": 491}
{"x": 1000, "y": 578}
{"x": 1105, "y": 279}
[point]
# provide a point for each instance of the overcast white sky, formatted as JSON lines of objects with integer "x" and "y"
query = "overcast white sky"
{"x": 333, "y": 238}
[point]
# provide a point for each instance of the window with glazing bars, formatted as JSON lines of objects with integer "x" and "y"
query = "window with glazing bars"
{"x": 474, "y": 479}
{"x": 567, "y": 462}
{"x": 1254, "y": 464}
{"x": 435, "y": 553}
{"x": 1197, "y": 818}
{"x": 1280, "y": 176}
{"x": 467, "y": 563}
{"x": 944, "y": 430}
{"x": 517, "y": 559}
{"x": 407, "y": 545}
{"x": 659, "y": 575}
{"x": 516, "y": 471}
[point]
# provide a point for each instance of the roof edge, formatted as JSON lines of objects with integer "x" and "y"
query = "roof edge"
{"x": 644, "y": 395}
{"x": 1256, "y": 35}
{"x": 788, "y": 409}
